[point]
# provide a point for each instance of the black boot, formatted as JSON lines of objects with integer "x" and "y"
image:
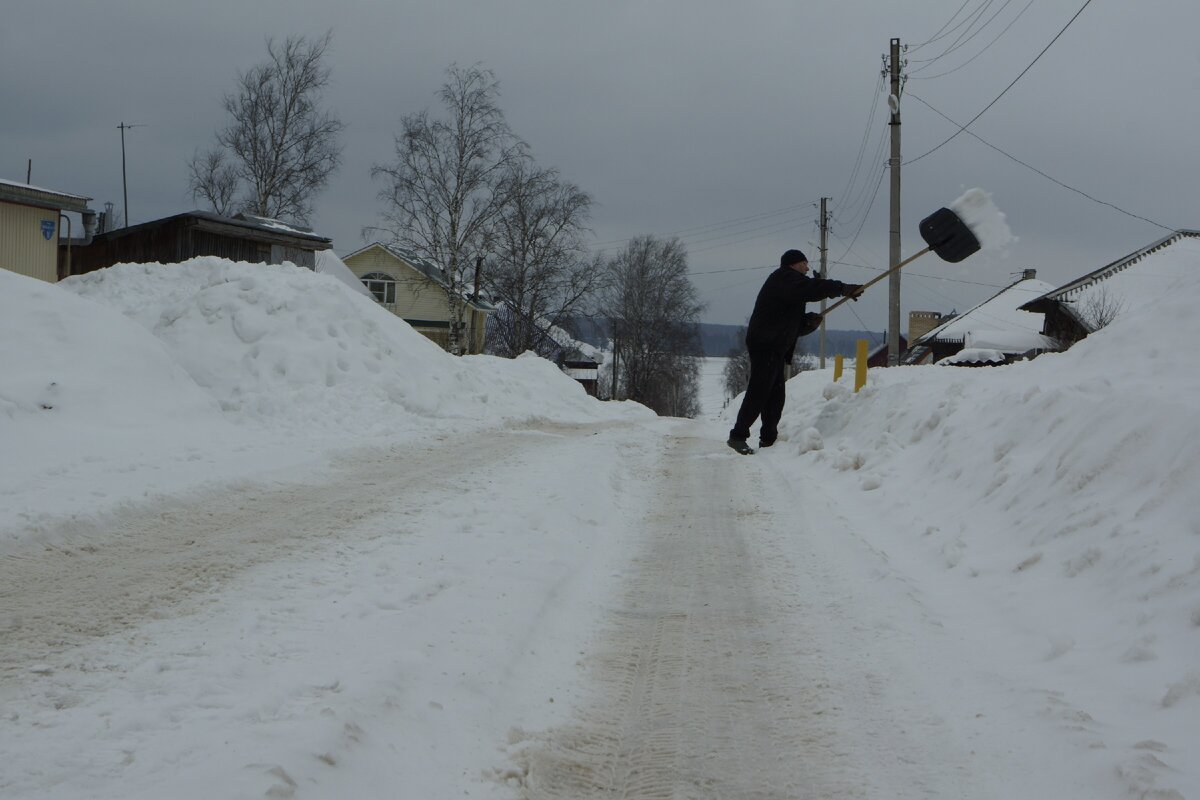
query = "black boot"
{"x": 740, "y": 445}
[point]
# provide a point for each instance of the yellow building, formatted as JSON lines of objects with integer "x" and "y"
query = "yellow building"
{"x": 31, "y": 229}
{"x": 414, "y": 289}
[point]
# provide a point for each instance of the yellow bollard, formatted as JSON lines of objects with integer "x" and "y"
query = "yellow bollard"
{"x": 837, "y": 368}
{"x": 860, "y": 365}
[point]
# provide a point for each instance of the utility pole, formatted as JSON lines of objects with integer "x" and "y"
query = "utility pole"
{"x": 824, "y": 271}
{"x": 475, "y": 299}
{"x": 893, "y": 332}
{"x": 124, "y": 186}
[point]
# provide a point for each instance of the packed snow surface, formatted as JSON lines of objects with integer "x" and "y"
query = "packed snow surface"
{"x": 258, "y": 538}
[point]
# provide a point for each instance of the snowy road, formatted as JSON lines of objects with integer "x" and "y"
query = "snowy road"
{"x": 372, "y": 635}
{"x": 617, "y": 609}
{"x": 736, "y": 663}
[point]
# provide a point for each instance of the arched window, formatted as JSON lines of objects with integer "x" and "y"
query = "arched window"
{"x": 382, "y": 285}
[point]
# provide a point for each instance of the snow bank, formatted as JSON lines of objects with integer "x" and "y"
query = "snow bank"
{"x": 282, "y": 347}
{"x": 1055, "y": 499}
{"x": 149, "y": 378}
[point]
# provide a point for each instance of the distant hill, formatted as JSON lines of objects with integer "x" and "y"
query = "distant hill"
{"x": 718, "y": 340}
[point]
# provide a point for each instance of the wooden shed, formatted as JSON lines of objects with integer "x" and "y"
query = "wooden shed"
{"x": 583, "y": 368}
{"x": 172, "y": 240}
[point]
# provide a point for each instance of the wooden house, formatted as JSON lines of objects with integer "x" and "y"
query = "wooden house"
{"x": 172, "y": 240}
{"x": 582, "y": 367}
{"x": 1090, "y": 302}
{"x": 415, "y": 289}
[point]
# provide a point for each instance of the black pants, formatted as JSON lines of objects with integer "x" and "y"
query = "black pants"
{"x": 764, "y": 396}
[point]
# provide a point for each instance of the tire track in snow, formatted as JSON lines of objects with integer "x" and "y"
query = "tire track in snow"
{"x": 714, "y": 681}
{"x": 171, "y": 558}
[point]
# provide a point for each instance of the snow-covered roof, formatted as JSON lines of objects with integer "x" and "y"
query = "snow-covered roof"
{"x": 998, "y": 319}
{"x": 1159, "y": 267}
{"x": 973, "y": 355}
{"x": 23, "y": 192}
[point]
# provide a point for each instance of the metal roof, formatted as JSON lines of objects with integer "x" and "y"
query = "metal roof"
{"x": 26, "y": 194}
{"x": 268, "y": 227}
{"x": 1065, "y": 291}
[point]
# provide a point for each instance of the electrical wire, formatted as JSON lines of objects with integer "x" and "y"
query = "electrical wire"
{"x": 940, "y": 35}
{"x": 862, "y": 147}
{"x": 1038, "y": 171}
{"x": 986, "y": 47}
{"x": 1014, "y": 83}
{"x": 965, "y": 36}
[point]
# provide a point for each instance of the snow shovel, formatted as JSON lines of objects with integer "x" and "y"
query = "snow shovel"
{"x": 945, "y": 233}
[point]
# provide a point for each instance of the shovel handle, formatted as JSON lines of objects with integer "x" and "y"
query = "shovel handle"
{"x": 879, "y": 277}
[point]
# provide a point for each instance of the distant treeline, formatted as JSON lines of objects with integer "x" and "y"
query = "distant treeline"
{"x": 718, "y": 340}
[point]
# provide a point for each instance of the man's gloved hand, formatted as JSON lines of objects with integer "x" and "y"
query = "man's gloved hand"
{"x": 812, "y": 321}
{"x": 854, "y": 291}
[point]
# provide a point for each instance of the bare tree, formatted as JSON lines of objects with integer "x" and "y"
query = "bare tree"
{"x": 214, "y": 180}
{"x": 542, "y": 276}
{"x": 654, "y": 309}
{"x": 446, "y": 187}
{"x": 279, "y": 147}
{"x": 1100, "y": 307}
{"x": 737, "y": 368}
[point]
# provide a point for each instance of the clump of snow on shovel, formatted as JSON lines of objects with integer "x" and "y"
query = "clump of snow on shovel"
{"x": 976, "y": 209}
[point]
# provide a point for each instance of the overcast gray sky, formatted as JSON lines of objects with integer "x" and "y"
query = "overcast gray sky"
{"x": 719, "y": 122}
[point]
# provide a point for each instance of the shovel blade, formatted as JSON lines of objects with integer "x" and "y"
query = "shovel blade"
{"x": 948, "y": 236}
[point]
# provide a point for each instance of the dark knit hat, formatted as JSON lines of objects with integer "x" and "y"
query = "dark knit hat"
{"x": 792, "y": 257}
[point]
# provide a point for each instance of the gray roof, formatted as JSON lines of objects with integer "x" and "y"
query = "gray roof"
{"x": 37, "y": 196}
{"x": 1065, "y": 291}
{"x": 270, "y": 227}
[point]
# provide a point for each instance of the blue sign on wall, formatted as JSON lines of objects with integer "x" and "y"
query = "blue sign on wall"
{"x": 48, "y": 226}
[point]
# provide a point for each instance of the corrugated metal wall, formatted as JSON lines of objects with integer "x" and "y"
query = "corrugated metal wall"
{"x": 23, "y": 247}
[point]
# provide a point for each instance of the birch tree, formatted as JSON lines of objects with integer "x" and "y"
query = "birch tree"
{"x": 280, "y": 146}
{"x": 540, "y": 275}
{"x": 446, "y": 187}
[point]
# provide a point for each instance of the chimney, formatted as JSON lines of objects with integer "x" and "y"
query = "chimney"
{"x": 1029, "y": 274}
{"x": 921, "y": 323}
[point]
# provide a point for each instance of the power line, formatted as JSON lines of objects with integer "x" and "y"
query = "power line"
{"x": 1038, "y": 171}
{"x": 939, "y": 34}
{"x": 717, "y": 225}
{"x": 916, "y": 77}
{"x": 967, "y": 34}
{"x": 1014, "y": 83}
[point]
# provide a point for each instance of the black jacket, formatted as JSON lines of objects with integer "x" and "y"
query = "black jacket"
{"x": 778, "y": 316}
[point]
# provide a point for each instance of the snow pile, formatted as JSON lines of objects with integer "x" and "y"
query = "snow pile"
{"x": 328, "y": 263}
{"x": 976, "y": 209}
{"x": 146, "y": 379}
{"x": 280, "y": 347}
{"x": 1054, "y": 502}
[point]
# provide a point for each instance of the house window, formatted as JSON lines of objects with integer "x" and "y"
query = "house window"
{"x": 382, "y": 285}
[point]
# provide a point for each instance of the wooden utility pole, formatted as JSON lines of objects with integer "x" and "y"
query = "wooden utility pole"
{"x": 893, "y": 332}
{"x": 824, "y": 272}
{"x": 124, "y": 186}
{"x": 475, "y": 300}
